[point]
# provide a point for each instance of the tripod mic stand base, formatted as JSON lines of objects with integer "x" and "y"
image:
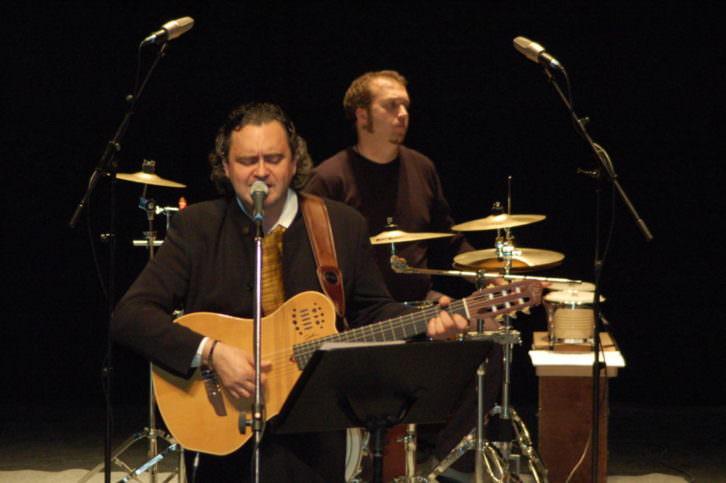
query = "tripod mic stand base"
{"x": 173, "y": 446}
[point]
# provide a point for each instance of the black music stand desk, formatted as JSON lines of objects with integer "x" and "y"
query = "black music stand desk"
{"x": 378, "y": 386}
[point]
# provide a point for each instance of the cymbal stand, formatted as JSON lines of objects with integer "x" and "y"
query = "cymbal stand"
{"x": 495, "y": 458}
{"x": 505, "y": 250}
{"x": 151, "y": 432}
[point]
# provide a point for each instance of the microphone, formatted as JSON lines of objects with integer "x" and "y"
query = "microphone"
{"x": 536, "y": 53}
{"x": 258, "y": 192}
{"x": 170, "y": 30}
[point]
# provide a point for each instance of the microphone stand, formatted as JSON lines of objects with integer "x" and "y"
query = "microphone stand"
{"x": 257, "y": 419}
{"x": 107, "y": 165}
{"x": 597, "y": 367}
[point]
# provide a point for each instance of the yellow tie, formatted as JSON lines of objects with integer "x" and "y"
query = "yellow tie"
{"x": 273, "y": 293}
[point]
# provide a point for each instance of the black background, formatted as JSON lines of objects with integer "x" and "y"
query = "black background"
{"x": 648, "y": 76}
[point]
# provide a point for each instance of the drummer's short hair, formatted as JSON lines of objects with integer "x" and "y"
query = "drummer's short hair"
{"x": 257, "y": 113}
{"x": 359, "y": 94}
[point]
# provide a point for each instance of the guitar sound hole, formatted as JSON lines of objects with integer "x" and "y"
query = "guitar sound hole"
{"x": 304, "y": 319}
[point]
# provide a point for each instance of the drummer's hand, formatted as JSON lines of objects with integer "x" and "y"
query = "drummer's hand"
{"x": 235, "y": 368}
{"x": 445, "y": 325}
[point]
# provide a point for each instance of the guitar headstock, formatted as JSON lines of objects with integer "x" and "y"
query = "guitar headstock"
{"x": 499, "y": 300}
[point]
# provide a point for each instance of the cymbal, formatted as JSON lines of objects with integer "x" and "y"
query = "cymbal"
{"x": 400, "y": 236}
{"x": 149, "y": 178}
{"x": 528, "y": 260}
{"x": 572, "y": 287}
{"x": 496, "y": 222}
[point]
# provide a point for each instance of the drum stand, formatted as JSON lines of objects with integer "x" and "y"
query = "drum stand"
{"x": 151, "y": 432}
{"x": 497, "y": 458}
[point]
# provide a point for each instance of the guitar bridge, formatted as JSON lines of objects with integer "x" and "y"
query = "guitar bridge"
{"x": 214, "y": 391}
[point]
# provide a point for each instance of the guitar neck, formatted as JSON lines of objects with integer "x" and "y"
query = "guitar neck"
{"x": 489, "y": 303}
{"x": 398, "y": 328}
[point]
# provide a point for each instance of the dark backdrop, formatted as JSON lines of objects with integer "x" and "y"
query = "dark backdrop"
{"x": 648, "y": 76}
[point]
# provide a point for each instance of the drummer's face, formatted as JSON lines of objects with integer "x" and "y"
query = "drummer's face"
{"x": 387, "y": 117}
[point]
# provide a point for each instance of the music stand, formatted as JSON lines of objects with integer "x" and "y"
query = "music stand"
{"x": 377, "y": 386}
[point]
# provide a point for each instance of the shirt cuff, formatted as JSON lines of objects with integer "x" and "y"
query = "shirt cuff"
{"x": 197, "y": 360}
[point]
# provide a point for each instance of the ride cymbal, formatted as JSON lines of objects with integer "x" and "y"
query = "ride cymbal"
{"x": 526, "y": 260}
{"x": 496, "y": 222}
{"x": 399, "y": 236}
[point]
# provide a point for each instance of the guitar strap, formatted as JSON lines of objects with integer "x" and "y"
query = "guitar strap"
{"x": 317, "y": 223}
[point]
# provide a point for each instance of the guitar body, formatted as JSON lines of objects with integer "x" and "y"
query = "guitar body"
{"x": 184, "y": 403}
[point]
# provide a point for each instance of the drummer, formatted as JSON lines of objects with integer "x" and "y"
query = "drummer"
{"x": 384, "y": 179}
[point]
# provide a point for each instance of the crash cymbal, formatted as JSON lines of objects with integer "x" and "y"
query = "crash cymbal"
{"x": 149, "y": 178}
{"x": 399, "y": 236}
{"x": 527, "y": 260}
{"x": 496, "y": 222}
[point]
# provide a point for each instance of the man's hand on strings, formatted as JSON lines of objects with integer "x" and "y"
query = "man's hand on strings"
{"x": 446, "y": 325}
{"x": 235, "y": 369}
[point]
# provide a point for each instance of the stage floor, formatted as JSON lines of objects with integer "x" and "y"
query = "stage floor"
{"x": 42, "y": 443}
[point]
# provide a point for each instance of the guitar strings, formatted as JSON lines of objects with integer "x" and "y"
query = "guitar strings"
{"x": 286, "y": 358}
{"x": 403, "y": 323}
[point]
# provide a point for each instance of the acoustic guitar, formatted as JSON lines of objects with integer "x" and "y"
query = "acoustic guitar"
{"x": 202, "y": 416}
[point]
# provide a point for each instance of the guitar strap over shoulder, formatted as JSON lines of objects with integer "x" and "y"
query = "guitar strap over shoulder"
{"x": 320, "y": 234}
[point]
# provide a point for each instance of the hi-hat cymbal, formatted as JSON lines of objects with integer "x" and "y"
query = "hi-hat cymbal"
{"x": 149, "y": 178}
{"x": 496, "y": 222}
{"x": 527, "y": 260}
{"x": 572, "y": 286}
{"x": 399, "y": 236}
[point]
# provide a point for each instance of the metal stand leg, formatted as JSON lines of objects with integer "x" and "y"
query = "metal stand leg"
{"x": 498, "y": 461}
{"x": 152, "y": 434}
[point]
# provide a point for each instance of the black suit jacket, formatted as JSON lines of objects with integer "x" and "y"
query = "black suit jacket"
{"x": 207, "y": 264}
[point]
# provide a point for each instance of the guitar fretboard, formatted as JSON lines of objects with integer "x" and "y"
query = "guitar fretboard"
{"x": 397, "y": 328}
{"x": 484, "y": 304}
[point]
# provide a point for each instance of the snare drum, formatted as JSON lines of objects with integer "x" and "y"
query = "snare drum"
{"x": 570, "y": 316}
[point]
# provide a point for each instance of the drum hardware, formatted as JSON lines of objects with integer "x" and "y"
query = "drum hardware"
{"x": 409, "y": 441}
{"x": 400, "y": 265}
{"x": 502, "y": 338}
{"x": 151, "y": 432}
{"x": 496, "y": 458}
{"x": 150, "y": 240}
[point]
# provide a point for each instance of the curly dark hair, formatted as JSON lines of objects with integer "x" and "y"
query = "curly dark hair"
{"x": 257, "y": 113}
{"x": 359, "y": 93}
